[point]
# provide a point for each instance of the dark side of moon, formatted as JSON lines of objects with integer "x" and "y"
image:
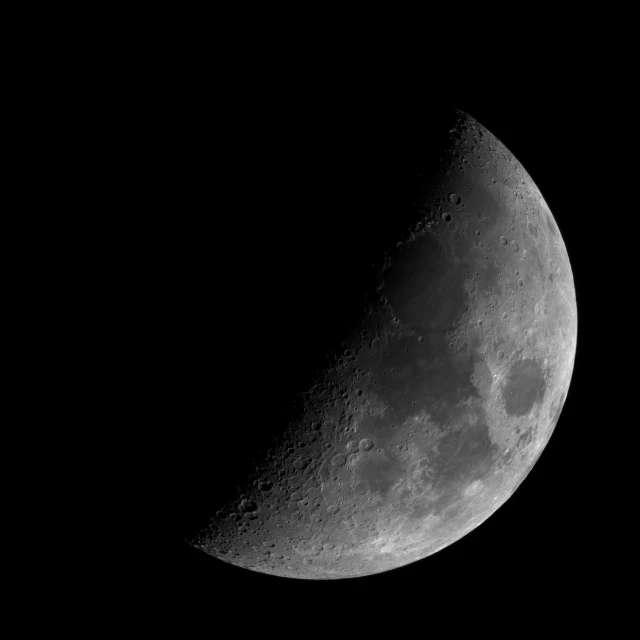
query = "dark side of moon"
{"x": 443, "y": 397}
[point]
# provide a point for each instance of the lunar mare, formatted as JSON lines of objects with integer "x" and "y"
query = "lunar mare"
{"x": 442, "y": 399}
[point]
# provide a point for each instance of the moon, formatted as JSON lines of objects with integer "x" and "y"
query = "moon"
{"x": 443, "y": 395}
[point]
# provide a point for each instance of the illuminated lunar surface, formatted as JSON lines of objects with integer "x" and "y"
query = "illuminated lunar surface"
{"x": 444, "y": 396}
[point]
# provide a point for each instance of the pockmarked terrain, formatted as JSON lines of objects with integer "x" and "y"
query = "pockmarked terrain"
{"x": 443, "y": 397}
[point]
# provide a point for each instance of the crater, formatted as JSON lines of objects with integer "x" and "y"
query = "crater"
{"x": 524, "y": 385}
{"x": 379, "y": 472}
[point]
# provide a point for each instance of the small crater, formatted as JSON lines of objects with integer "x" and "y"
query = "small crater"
{"x": 361, "y": 488}
{"x": 455, "y": 198}
{"x": 248, "y": 505}
{"x": 446, "y": 217}
{"x": 338, "y": 460}
{"x": 469, "y": 285}
{"x": 503, "y": 240}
